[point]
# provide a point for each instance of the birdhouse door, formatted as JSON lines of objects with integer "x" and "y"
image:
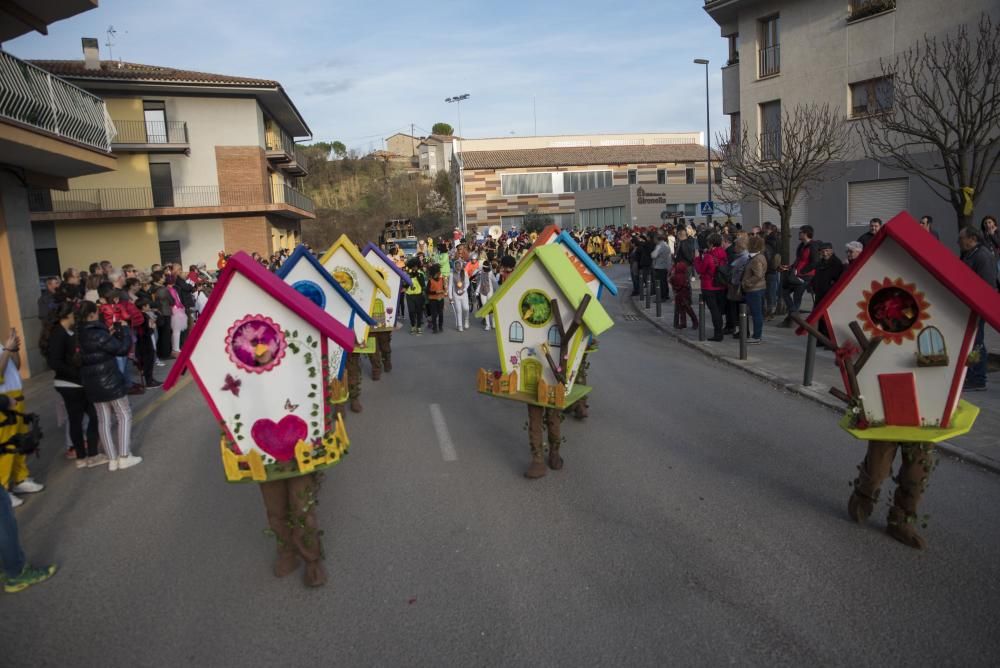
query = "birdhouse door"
{"x": 531, "y": 371}
{"x": 899, "y": 399}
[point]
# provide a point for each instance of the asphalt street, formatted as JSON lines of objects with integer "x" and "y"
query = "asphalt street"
{"x": 700, "y": 520}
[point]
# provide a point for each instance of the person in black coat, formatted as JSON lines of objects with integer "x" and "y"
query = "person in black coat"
{"x": 105, "y": 385}
{"x": 60, "y": 346}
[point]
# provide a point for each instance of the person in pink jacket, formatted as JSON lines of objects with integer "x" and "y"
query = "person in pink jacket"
{"x": 713, "y": 287}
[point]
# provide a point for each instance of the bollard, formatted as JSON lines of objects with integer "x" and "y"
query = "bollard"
{"x": 659, "y": 308}
{"x": 743, "y": 331}
{"x": 649, "y": 287}
{"x": 701, "y": 316}
{"x": 807, "y": 376}
{"x": 642, "y": 287}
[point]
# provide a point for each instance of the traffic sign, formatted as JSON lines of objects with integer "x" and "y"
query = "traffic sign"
{"x": 707, "y": 208}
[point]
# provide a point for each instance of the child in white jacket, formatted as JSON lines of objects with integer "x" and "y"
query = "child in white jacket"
{"x": 458, "y": 295}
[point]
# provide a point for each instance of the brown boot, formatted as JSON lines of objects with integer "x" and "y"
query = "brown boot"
{"x": 873, "y": 469}
{"x": 356, "y": 406}
{"x": 376, "y": 373}
{"x": 387, "y": 364}
{"x": 581, "y": 411}
{"x": 537, "y": 467}
{"x": 286, "y": 563}
{"x": 315, "y": 574}
{"x": 914, "y": 471}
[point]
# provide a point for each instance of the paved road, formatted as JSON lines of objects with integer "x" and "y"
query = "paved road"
{"x": 699, "y": 521}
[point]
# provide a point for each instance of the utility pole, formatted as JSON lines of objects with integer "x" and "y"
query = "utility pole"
{"x": 708, "y": 136}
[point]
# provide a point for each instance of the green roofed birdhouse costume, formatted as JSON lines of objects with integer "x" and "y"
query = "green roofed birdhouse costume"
{"x": 545, "y": 316}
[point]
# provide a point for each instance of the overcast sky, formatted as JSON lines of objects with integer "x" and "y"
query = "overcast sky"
{"x": 360, "y": 71}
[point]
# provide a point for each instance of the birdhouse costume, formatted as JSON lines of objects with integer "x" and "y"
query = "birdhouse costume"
{"x": 358, "y": 277}
{"x": 545, "y": 315}
{"x": 259, "y": 353}
{"x": 902, "y": 320}
{"x": 385, "y": 313}
{"x": 597, "y": 281}
{"x": 309, "y": 278}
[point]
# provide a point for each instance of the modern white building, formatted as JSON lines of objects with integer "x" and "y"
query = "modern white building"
{"x": 788, "y": 52}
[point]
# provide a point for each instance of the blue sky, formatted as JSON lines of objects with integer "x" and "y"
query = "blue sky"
{"x": 360, "y": 71}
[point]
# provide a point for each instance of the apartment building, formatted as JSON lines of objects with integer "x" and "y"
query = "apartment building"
{"x": 206, "y": 163}
{"x": 50, "y": 132}
{"x": 783, "y": 53}
{"x": 580, "y": 180}
{"x": 434, "y": 153}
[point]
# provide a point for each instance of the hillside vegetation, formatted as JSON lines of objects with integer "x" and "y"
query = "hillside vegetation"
{"x": 357, "y": 195}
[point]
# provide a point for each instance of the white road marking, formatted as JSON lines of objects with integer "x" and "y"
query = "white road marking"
{"x": 444, "y": 438}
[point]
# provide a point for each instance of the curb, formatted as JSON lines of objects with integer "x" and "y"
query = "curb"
{"x": 817, "y": 392}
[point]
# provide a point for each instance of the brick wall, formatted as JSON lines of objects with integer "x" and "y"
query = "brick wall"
{"x": 248, "y": 233}
{"x": 242, "y": 172}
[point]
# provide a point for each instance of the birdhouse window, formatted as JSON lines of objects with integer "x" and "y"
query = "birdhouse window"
{"x": 255, "y": 343}
{"x": 893, "y": 310}
{"x": 312, "y": 292}
{"x": 931, "y": 350}
{"x": 554, "y": 339}
{"x": 535, "y": 308}
{"x": 516, "y": 333}
{"x": 347, "y": 279}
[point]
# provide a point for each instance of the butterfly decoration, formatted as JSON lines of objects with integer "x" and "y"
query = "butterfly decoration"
{"x": 232, "y": 385}
{"x": 289, "y": 406}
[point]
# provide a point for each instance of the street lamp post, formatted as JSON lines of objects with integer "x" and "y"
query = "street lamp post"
{"x": 458, "y": 101}
{"x": 708, "y": 134}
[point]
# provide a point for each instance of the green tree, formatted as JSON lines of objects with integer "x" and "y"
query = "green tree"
{"x": 442, "y": 129}
{"x": 535, "y": 221}
{"x": 444, "y": 187}
{"x": 339, "y": 149}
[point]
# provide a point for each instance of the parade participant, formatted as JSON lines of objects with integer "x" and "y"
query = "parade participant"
{"x": 415, "y": 293}
{"x": 261, "y": 367}
{"x": 458, "y": 296}
{"x": 14, "y": 473}
{"x": 384, "y": 314}
{"x": 899, "y": 324}
{"x": 485, "y": 288}
{"x": 436, "y": 293}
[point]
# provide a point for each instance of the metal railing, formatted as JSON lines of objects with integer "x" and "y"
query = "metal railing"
{"x": 300, "y": 158}
{"x": 151, "y": 132}
{"x": 277, "y": 139}
{"x": 770, "y": 145}
{"x": 769, "y": 61}
{"x": 32, "y": 96}
{"x": 121, "y": 199}
{"x": 859, "y": 9}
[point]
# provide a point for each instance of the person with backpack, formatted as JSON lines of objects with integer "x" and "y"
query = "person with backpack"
{"x": 799, "y": 274}
{"x": 436, "y": 293}
{"x": 738, "y": 257}
{"x": 14, "y": 474}
{"x": 485, "y": 289}
{"x": 753, "y": 283}
{"x": 714, "y": 272}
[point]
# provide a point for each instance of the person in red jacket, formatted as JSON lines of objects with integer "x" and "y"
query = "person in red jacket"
{"x": 114, "y": 307}
{"x": 713, "y": 287}
{"x": 799, "y": 275}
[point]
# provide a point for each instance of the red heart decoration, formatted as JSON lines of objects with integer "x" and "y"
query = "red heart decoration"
{"x": 279, "y": 439}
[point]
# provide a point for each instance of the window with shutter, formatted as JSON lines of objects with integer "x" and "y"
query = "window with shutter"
{"x": 876, "y": 199}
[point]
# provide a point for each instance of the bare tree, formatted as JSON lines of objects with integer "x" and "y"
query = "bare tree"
{"x": 942, "y": 122}
{"x": 782, "y": 162}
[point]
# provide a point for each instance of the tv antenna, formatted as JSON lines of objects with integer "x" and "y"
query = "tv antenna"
{"x": 111, "y": 32}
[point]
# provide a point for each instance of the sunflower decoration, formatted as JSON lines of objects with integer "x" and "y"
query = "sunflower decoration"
{"x": 893, "y": 310}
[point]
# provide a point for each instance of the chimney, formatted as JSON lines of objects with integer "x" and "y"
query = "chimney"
{"x": 91, "y": 54}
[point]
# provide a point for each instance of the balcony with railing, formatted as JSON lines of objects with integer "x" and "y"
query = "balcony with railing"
{"x": 32, "y": 97}
{"x": 79, "y": 203}
{"x": 151, "y": 137}
{"x": 283, "y": 152}
{"x": 769, "y": 61}
{"x": 859, "y": 9}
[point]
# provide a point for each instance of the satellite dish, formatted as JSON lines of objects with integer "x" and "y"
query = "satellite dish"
{"x": 495, "y": 232}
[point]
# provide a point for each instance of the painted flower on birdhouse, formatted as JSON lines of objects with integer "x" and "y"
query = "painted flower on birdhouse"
{"x": 255, "y": 343}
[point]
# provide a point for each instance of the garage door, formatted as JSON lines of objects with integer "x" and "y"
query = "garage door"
{"x": 876, "y": 199}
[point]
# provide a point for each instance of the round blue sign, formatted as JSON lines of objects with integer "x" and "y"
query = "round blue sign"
{"x": 312, "y": 292}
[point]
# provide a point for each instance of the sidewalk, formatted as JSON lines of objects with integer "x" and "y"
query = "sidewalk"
{"x": 780, "y": 360}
